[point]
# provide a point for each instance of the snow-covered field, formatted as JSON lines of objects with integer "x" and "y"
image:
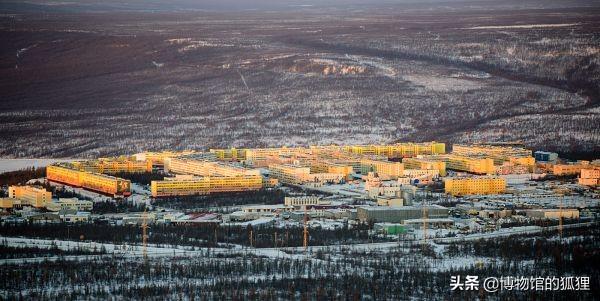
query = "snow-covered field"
{"x": 526, "y": 26}
{"x": 17, "y": 164}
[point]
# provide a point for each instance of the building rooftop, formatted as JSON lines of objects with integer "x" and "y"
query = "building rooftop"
{"x": 388, "y": 208}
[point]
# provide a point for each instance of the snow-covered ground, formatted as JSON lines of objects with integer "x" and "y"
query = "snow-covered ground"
{"x": 17, "y": 164}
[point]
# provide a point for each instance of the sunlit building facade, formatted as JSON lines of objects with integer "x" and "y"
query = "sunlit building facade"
{"x": 475, "y": 185}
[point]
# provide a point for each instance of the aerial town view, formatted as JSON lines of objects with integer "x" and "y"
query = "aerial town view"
{"x": 299, "y": 150}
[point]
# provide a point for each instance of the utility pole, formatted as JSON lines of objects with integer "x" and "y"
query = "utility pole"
{"x": 216, "y": 237}
{"x": 560, "y": 217}
{"x": 305, "y": 231}
{"x": 145, "y": 236}
{"x": 425, "y": 218}
{"x": 251, "y": 239}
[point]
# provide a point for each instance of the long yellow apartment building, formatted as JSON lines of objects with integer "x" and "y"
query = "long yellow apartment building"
{"x": 569, "y": 169}
{"x": 589, "y": 177}
{"x": 476, "y": 185}
{"x": 298, "y": 175}
{"x": 476, "y": 165}
{"x": 191, "y": 185}
{"x": 114, "y": 165}
{"x": 30, "y": 195}
{"x": 500, "y": 154}
{"x": 330, "y": 167}
{"x": 68, "y": 174}
{"x": 229, "y": 154}
{"x": 399, "y": 150}
{"x": 158, "y": 158}
{"x": 425, "y": 164}
{"x": 387, "y": 170}
{"x": 205, "y": 168}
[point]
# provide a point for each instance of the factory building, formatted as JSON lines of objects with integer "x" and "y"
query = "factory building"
{"x": 476, "y": 185}
{"x": 190, "y": 185}
{"x": 430, "y": 223}
{"x": 386, "y": 170}
{"x": 392, "y": 201}
{"x": 300, "y": 201}
{"x": 399, "y": 214}
{"x": 79, "y": 217}
{"x": 70, "y": 204}
{"x": 390, "y": 228}
{"x": 30, "y": 195}
{"x": 105, "y": 184}
{"x": 425, "y": 164}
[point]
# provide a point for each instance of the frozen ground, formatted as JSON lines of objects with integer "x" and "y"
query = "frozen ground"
{"x": 287, "y": 252}
{"x": 17, "y": 164}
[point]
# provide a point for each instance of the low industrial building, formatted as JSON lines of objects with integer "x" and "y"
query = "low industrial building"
{"x": 72, "y": 204}
{"x": 300, "y": 201}
{"x": 267, "y": 208}
{"x": 399, "y": 214}
{"x": 495, "y": 214}
{"x": 79, "y": 217}
{"x": 430, "y": 223}
{"x": 392, "y": 201}
{"x": 390, "y": 228}
{"x": 553, "y": 213}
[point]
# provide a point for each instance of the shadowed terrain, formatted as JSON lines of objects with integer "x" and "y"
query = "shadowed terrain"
{"x": 105, "y": 80}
